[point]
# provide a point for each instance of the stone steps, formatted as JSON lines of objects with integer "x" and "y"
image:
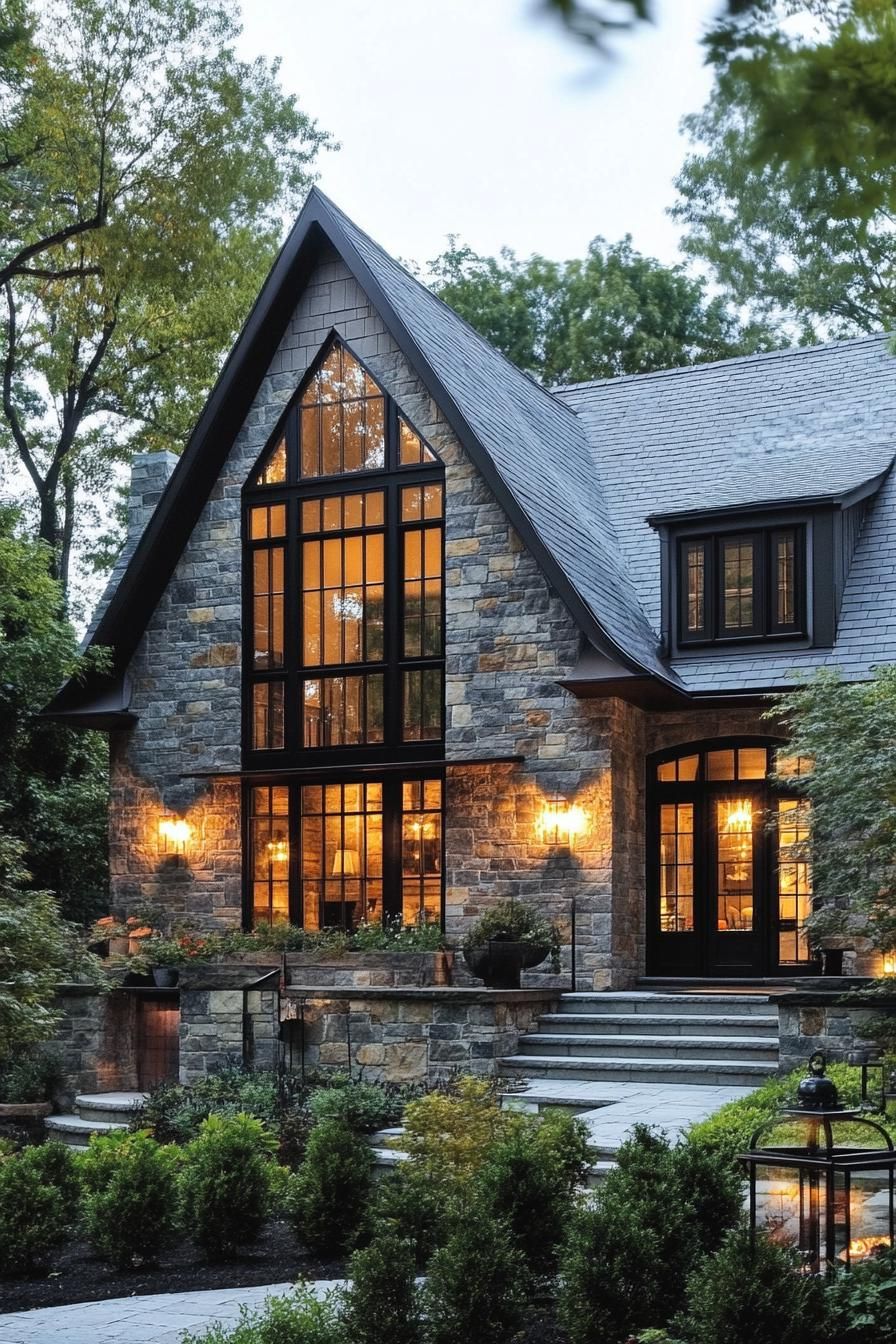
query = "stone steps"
{"x": 99, "y": 1113}
{"x": 646, "y": 1024}
{"x": 644, "y": 1036}
{"x": 652, "y": 1047}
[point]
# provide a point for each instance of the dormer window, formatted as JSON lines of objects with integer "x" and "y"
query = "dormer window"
{"x": 742, "y": 585}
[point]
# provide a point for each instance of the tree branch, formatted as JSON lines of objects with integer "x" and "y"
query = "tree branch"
{"x": 14, "y": 267}
{"x": 9, "y": 410}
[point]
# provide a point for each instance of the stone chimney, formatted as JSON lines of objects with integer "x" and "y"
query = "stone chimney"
{"x": 150, "y": 473}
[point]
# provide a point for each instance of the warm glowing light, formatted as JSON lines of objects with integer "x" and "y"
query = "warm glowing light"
{"x": 740, "y": 816}
{"x": 278, "y": 851}
{"x": 346, "y": 863}
{"x": 862, "y": 1246}
{"x": 560, "y": 822}
{"x": 175, "y": 832}
{"x": 889, "y": 963}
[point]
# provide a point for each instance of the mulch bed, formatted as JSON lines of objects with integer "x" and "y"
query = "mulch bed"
{"x": 77, "y": 1275}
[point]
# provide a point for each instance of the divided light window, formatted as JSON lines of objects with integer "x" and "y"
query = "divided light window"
{"x": 344, "y": 658}
{"x": 744, "y": 585}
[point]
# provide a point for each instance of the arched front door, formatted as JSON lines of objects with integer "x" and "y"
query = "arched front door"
{"x": 729, "y": 885}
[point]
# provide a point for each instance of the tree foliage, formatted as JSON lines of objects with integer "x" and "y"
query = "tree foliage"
{"x": 146, "y": 171}
{"x": 53, "y": 781}
{"x": 789, "y": 193}
{"x": 612, "y": 312}
{"x": 848, "y": 731}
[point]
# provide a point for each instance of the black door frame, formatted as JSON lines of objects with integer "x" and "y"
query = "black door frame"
{"x": 701, "y": 952}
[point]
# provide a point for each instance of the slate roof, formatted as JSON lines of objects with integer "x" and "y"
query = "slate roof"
{"x": 811, "y": 423}
{"x": 579, "y": 470}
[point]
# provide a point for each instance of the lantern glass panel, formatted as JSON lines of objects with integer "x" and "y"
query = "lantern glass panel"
{"x": 867, "y": 1200}
{"x": 779, "y": 1202}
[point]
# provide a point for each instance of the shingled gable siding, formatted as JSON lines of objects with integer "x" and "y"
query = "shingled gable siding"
{"x": 509, "y": 640}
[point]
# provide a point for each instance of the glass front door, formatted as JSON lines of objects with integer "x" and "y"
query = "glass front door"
{"x": 729, "y": 878}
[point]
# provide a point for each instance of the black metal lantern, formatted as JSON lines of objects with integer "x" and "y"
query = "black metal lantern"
{"x": 822, "y": 1178}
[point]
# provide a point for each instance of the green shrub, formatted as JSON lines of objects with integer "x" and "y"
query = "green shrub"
{"x": 449, "y": 1134}
{"x": 364, "y": 1107}
{"x": 382, "y": 1302}
{"x": 226, "y": 1183}
{"x": 297, "y": 1319}
{"x": 729, "y": 1131}
{"x": 476, "y": 1290}
{"x": 685, "y": 1198}
{"x": 609, "y": 1274}
{"x": 410, "y": 1206}
{"x": 131, "y": 1199}
{"x": 58, "y": 1167}
{"x": 529, "y": 1179}
{"x": 329, "y": 1193}
{"x": 861, "y": 1303}
{"x": 751, "y": 1294}
{"x": 34, "y": 1213}
{"x": 174, "y": 1112}
{"x": 27, "y": 1078}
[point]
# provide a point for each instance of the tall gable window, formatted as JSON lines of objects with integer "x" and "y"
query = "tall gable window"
{"x": 742, "y": 585}
{"x": 344, "y": 658}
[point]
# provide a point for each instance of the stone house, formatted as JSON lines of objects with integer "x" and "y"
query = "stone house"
{"x": 396, "y": 604}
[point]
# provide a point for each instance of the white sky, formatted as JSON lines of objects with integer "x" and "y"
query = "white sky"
{"x": 474, "y": 117}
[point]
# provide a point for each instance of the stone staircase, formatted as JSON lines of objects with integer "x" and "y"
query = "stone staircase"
{"x": 100, "y": 1113}
{"x": 704, "y": 1039}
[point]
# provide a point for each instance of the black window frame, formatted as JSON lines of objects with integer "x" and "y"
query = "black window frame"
{"x": 295, "y": 765}
{"x": 764, "y": 625}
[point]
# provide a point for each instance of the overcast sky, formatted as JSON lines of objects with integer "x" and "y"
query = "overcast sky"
{"x": 472, "y": 117}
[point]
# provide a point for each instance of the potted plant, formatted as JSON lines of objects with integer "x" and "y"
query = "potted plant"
{"x": 507, "y": 939}
{"x": 161, "y": 958}
{"x": 112, "y": 933}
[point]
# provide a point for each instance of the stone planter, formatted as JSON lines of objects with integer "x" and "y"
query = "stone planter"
{"x": 500, "y": 962}
{"x": 165, "y": 977}
{"x": 25, "y": 1110}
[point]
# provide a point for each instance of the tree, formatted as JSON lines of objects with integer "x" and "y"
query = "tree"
{"x": 145, "y": 177}
{"x": 37, "y": 950}
{"x": 789, "y": 195}
{"x": 593, "y": 25}
{"x": 53, "y": 781}
{"x": 612, "y": 312}
{"x": 848, "y": 732}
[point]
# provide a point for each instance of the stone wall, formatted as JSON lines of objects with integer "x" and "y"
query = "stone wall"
{"x": 95, "y": 1041}
{"x": 226, "y": 1028}
{"x": 824, "y": 1020}
{"x": 409, "y": 1035}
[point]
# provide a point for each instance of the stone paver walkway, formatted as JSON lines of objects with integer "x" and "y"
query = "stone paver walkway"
{"x": 160, "y": 1319}
{"x": 611, "y": 1109}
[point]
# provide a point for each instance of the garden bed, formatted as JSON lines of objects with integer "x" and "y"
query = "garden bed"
{"x": 79, "y": 1275}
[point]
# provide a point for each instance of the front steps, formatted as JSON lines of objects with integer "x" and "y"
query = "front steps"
{"x": 725, "y": 1039}
{"x": 99, "y": 1113}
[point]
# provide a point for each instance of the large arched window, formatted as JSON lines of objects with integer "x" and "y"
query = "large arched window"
{"x": 729, "y": 877}
{"x": 344, "y": 658}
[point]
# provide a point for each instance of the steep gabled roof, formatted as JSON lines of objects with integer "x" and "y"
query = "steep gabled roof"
{"x": 530, "y": 447}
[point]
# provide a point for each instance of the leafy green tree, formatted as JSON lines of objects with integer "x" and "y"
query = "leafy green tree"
{"x": 594, "y": 24}
{"x": 611, "y": 312}
{"x": 848, "y": 730}
{"x": 53, "y": 781}
{"x": 789, "y": 194}
{"x": 141, "y": 201}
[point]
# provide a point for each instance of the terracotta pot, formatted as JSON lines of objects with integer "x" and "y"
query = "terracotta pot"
{"x": 119, "y": 947}
{"x": 443, "y": 968}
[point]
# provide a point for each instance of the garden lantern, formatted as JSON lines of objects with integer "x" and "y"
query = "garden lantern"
{"x": 822, "y": 1178}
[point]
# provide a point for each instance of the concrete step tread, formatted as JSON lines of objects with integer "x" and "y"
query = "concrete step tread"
{"x": 74, "y": 1124}
{"x": 720, "y": 1043}
{"x": 640, "y": 1020}
{"x": 647, "y": 996}
{"x": 110, "y": 1101}
{"x": 589, "y": 1062}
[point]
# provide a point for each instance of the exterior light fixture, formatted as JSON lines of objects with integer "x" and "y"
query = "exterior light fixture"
{"x": 889, "y": 963}
{"x": 174, "y": 832}
{"x": 822, "y": 1178}
{"x": 560, "y": 822}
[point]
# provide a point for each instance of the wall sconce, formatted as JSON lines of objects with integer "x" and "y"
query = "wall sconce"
{"x": 889, "y": 966}
{"x": 174, "y": 832}
{"x": 560, "y": 822}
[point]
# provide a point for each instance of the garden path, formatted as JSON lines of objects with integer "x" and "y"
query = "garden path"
{"x": 159, "y": 1319}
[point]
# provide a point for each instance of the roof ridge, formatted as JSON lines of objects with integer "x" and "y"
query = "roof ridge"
{"x": 521, "y": 373}
{"x": 786, "y": 352}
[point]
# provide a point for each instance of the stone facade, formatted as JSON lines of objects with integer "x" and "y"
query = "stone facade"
{"x": 227, "y": 1027}
{"x": 825, "y": 1020}
{"x": 510, "y": 641}
{"x": 95, "y": 1041}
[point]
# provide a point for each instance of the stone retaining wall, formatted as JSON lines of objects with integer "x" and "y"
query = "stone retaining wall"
{"x": 832, "y": 1021}
{"x": 409, "y": 1036}
{"x": 95, "y": 1041}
